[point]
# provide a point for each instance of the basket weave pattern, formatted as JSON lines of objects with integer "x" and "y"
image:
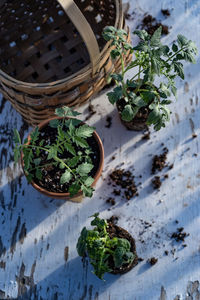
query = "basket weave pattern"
{"x": 44, "y": 61}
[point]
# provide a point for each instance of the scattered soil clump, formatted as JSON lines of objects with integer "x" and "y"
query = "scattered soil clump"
{"x": 156, "y": 182}
{"x": 152, "y": 261}
{"x": 111, "y": 201}
{"x": 165, "y": 12}
{"x": 150, "y": 24}
{"x": 179, "y": 235}
{"x": 146, "y": 136}
{"x": 124, "y": 179}
{"x": 159, "y": 161}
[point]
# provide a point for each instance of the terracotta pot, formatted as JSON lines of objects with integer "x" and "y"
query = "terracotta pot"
{"x": 139, "y": 121}
{"x": 122, "y": 233}
{"x": 66, "y": 196}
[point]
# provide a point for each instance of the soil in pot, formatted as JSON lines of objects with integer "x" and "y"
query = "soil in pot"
{"x": 139, "y": 121}
{"x": 51, "y": 174}
{"x": 116, "y": 231}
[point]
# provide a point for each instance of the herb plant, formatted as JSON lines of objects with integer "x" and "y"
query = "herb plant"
{"x": 98, "y": 245}
{"x": 76, "y": 166}
{"x": 151, "y": 58}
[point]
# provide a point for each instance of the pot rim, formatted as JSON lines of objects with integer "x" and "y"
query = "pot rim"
{"x": 66, "y": 195}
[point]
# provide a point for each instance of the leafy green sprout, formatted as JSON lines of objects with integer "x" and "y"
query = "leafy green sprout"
{"x": 99, "y": 247}
{"x": 76, "y": 167}
{"x": 151, "y": 58}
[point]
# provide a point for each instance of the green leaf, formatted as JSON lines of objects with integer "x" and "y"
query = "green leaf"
{"x": 142, "y": 46}
{"x": 29, "y": 177}
{"x": 115, "y": 53}
{"x": 114, "y": 96}
{"x": 87, "y": 191}
{"x": 17, "y": 154}
{"x": 89, "y": 181}
{"x": 178, "y": 67}
{"x": 84, "y": 131}
{"x": 174, "y": 48}
{"x": 84, "y": 169}
{"x": 16, "y": 137}
{"x": 129, "y": 112}
{"x": 62, "y": 165}
{"x": 137, "y": 100}
{"x": 74, "y": 188}
{"x": 174, "y": 90}
{"x": 116, "y": 77}
{"x": 182, "y": 40}
{"x": 155, "y": 39}
{"x": 155, "y": 65}
{"x": 73, "y": 161}
{"x": 52, "y": 153}
{"x": 143, "y": 35}
{"x": 189, "y": 57}
{"x": 38, "y": 174}
{"x": 34, "y": 135}
{"x": 54, "y": 123}
{"x": 66, "y": 177}
{"x": 37, "y": 161}
{"x": 66, "y": 111}
{"x": 82, "y": 242}
{"x": 70, "y": 148}
{"x": 80, "y": 142}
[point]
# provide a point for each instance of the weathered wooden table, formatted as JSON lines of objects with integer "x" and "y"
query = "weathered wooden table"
{"x": 38, "y": 258}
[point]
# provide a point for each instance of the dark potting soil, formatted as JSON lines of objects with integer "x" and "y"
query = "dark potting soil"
{"x": 51, "y": 174}
{"x": 116, "y": 231}
{"x": 152, "y": 261}
{"x": 125, "y": 180}
{"x": 179, "y": 235}
{"x": 156, "y": 182}
{"x": 150, "y": 24}
{"x": 159, "y": 161}
{"x": 142, "y": 114}
{"x": 165, "y": 12}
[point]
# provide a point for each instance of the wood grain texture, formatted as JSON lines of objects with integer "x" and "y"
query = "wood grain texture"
{"x": 38, "y": 258}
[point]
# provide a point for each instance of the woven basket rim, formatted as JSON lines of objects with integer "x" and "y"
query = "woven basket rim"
{"x": 11, "y": 81}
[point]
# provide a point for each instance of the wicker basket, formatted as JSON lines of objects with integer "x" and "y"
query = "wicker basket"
{"x": 52, "y": 53}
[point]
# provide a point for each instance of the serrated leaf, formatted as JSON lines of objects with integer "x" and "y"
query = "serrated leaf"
{"x": 34, "y": 135}
{"x": 66, "y": 177}
{"x": 137, "y": 100}
{"x": 143, "y": 35}
{"x": 66, "y": 111}
{"x": 178, "y": 67}
{"x": 52, "y": 153}
{"x": 84, "y": 169}
{"x": 142, "y": 46}
{"x": 16, "y": 136}
{"x": 73, "y": 162}
{"x": 174, "y": 90}
{"x": 80, "y": 142}
{"x": 182, "y": 40}
{"x": 38, "y": 174}
{"x": 70, "y": 148}
{"x": 155, "y": 39}
{"x": 84, "y": 131}
{"x": 116, "y": 77}
{"x": 189, "y": 57}
{"x": 29, "y": 177}
{"x": 155, "y": 65}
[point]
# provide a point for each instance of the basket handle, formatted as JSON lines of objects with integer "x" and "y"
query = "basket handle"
{"x": 82, "y": 25}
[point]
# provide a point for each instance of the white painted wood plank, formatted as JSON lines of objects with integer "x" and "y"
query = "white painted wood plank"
{"x": 52, "y": 225}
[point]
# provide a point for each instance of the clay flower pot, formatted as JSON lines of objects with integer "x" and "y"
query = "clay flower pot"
{"x": 66, "y": 196}
{"x": 117, "y": 231}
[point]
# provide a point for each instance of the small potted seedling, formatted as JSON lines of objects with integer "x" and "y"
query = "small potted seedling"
{"x": 62, "y": 157}
{"x": 109, "y": 247}
{"x": 139, "y": 100}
